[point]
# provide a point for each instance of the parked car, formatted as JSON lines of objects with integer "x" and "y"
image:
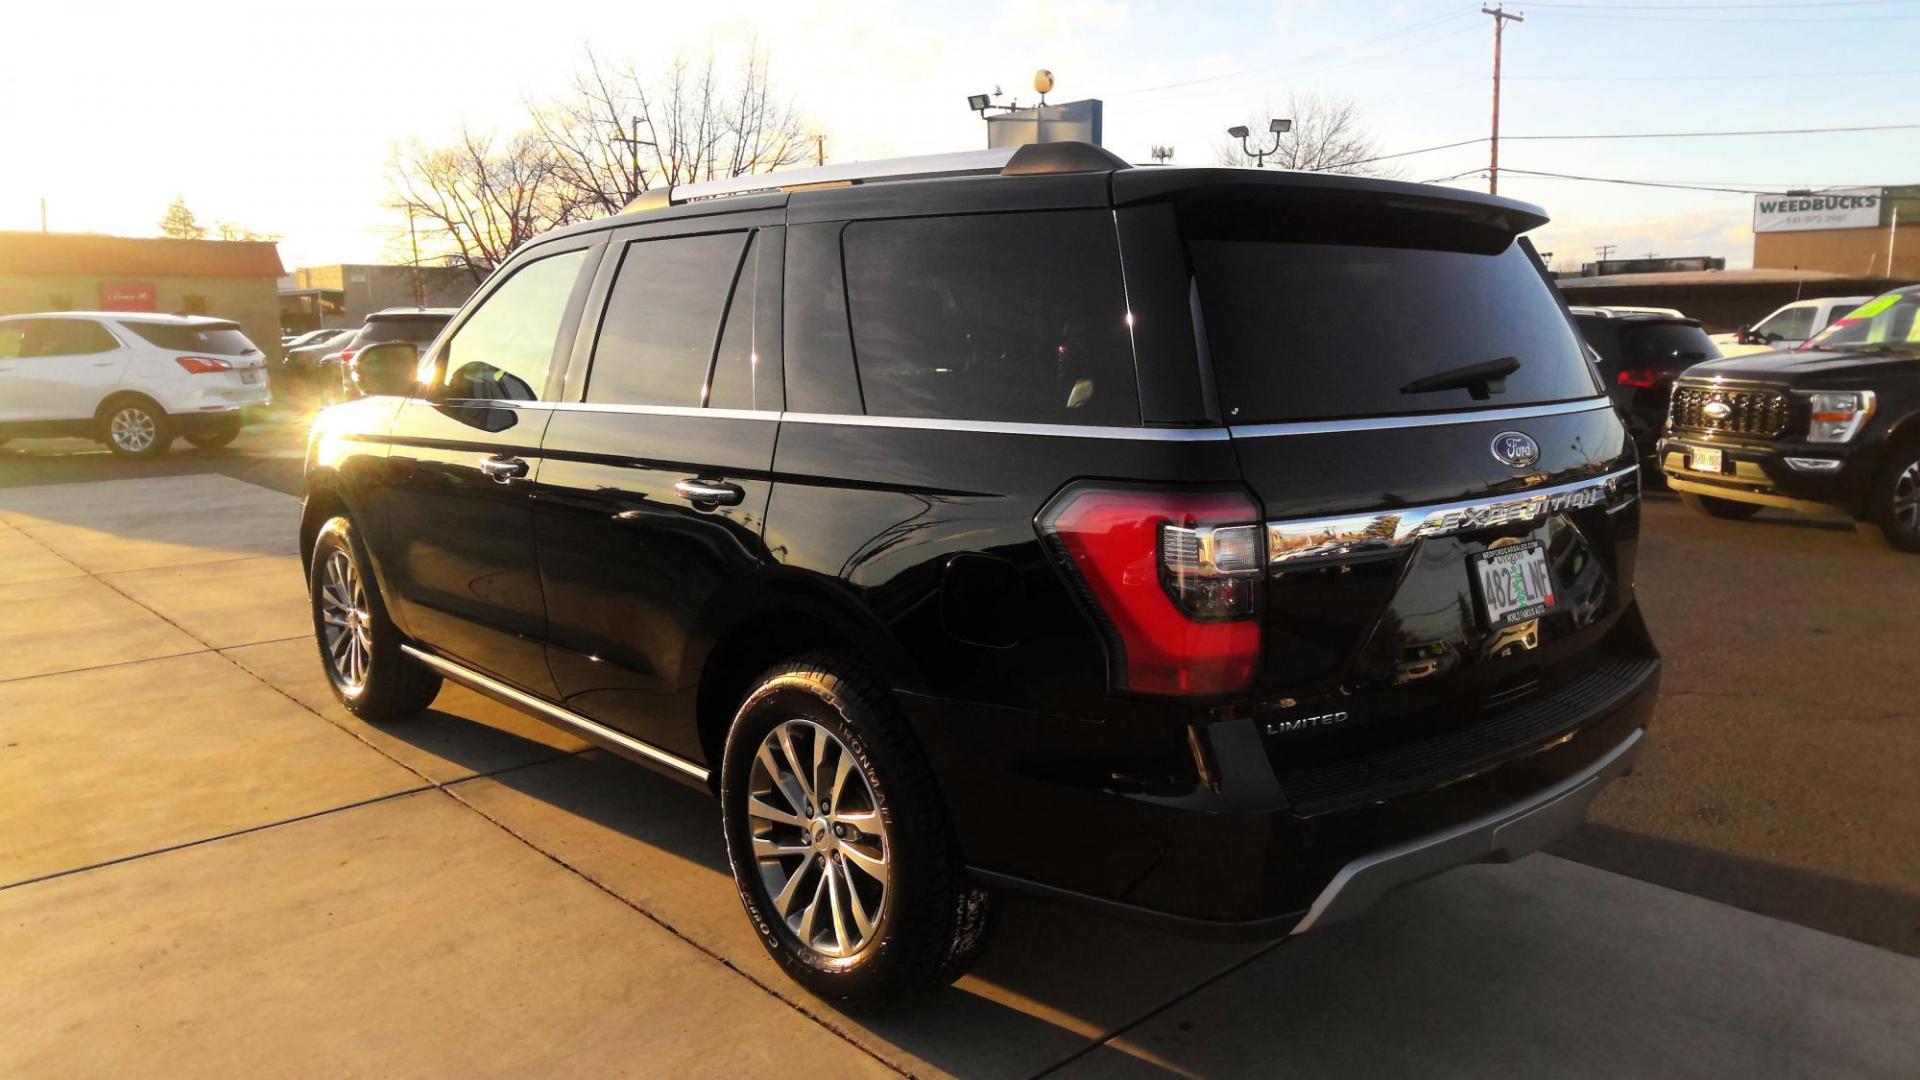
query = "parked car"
{"x": 1641, "y": 353}
{"x": 417, "y": 326}
{"x": 301, "y": 370}
{"x": 1790, "y": 325}
{"x": 1027, "y": 596}
{"x": 296, "y": 341}
{"x": 133, "y": 381}
{"x": 1830, "y": 428}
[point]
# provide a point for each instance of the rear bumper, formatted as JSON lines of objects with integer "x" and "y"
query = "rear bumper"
{"x": 1503, "y": 836}
{"x": 1223, "y": 852}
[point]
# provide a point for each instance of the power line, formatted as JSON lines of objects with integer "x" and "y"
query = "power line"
{"x": 1774, "y": 76}
{"x": 1378, "y": 38}
{"x": 1723, "y": 7}
{"x": 1627, "y": 135}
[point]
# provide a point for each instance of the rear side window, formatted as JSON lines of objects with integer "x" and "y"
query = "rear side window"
{"x": 1000, "y": 317}
{"x": 212, "y": 340}
{"x": 663, "y": 320}
{"x": 1310, "y": 331}
{"x": 419, "y": 329}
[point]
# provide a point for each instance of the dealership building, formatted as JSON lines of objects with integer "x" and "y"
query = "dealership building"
{"x": 1857, "y": 232}
{"x": 231, "y": 279}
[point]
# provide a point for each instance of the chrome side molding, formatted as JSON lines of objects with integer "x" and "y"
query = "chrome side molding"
{"x": 591, "y": 730}
{"x": 1302, "y": 542}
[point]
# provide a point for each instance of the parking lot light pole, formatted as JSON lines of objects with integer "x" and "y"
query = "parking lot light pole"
{"x": 1277, "y": 127}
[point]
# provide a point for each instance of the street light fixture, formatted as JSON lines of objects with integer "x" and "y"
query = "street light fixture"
{"x": 1276, "y": 127}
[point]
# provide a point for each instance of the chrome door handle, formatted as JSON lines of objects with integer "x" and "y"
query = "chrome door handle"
{"x": 503, "y": 469}
{"x": 709, "y": 493}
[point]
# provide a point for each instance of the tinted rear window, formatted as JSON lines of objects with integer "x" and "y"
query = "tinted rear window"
{"x": 1305, "y": 331}
{"x": 420, "y": 329}
{"x": 663, "y": 317}
{"x": 214, "y": 340}
{"x": 1665, "y": 346}
{"x": 1002, "y": 317}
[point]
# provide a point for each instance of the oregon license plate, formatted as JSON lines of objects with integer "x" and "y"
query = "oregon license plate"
{"x": 1704, "y": 459}
{"x": 1514, "y": 583}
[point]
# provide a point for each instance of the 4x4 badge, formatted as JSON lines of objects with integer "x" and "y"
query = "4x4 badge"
{"x": 1516, "y": 448}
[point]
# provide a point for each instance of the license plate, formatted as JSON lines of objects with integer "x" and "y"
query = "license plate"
{"x": 1514, "y": 582}
{"x": 250, "y": 378}
{"x": 1700, "y": 459}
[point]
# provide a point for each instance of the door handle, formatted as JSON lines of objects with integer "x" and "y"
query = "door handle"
{"x": 709, "y": 493}
{"x": 105, "y": 363}
{"x": 503, "y": 469}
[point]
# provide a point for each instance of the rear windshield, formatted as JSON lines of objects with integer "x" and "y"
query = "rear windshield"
{"x": 1665, "y": 346}
{"x": 1306, "y": 331}
{"x": 213, "y": 339}
{"x": 416, "y": 328}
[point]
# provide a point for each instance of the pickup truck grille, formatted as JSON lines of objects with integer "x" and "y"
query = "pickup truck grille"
{"x": 1760, "y": 414}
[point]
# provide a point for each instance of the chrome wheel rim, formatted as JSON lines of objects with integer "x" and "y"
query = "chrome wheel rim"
{"x": 132, "y": 429}
{"x": 1906, "y": 498}
{"x": 819, "y": 844}
{"x": 346, "y": 624}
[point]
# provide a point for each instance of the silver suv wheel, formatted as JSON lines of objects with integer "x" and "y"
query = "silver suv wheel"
{"x": 347, "y": 622}
{"x": 819, "y": 843}
{"x": 132, "y": 429}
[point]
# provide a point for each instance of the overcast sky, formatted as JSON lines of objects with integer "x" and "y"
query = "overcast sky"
{"x": 281, "y": 117}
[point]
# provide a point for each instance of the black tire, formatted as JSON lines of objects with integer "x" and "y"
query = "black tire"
{"x": 1894, "y": 506}
{"x": 135, "y": 428}
{"x": 384, "y": 684}
{"x": 215, "y": 436}
{"x": 1720, "y": 508}
{"x": 930, "y": 921}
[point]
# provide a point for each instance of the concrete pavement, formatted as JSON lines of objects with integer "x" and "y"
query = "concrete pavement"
{"x": 208, "y": 867}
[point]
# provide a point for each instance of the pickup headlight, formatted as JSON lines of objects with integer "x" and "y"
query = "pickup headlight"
{"x": 1838, "y": 415}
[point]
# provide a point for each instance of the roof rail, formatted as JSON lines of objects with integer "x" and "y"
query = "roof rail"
{"x": 1034, "y": 159}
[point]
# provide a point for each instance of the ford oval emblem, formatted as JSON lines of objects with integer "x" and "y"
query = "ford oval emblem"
{"x": 1716, "y": 410}
{"x": 1516, "y": 448}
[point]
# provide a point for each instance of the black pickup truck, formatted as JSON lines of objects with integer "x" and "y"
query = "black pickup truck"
{"x": 1831, "y": 427}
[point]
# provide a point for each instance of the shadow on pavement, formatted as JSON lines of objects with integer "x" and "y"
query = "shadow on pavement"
{"x": 1849, "y": 909}
{"x": 267, "y": 453}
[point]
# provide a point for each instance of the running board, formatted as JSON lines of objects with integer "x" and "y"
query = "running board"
{"x": 567, "y": 720}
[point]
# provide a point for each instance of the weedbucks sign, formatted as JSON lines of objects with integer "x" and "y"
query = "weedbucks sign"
{"x": 1840, "y": 208}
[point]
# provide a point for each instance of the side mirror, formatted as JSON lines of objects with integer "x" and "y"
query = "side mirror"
{"x": 390, "y": 368}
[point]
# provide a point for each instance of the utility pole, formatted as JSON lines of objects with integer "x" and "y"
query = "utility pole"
{"x": 819, "y": 149}
{"x": 43, "y": 215}
{"x": 1605, "y": 251}
{"x": 413, "y": 237}
{"x": 1500, "y": 20}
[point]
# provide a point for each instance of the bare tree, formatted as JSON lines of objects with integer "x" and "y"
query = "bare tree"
{"x": 478, "y": 199}
{"x": 1327, "y": 136}
{"x": 180, "y": 224}
{"x": 227, "y": 230}
{"x": 617, "y": 133}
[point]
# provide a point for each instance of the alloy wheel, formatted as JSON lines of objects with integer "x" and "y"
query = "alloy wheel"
{"x": 132, "y": 429}
{"x": 346, "y": 620}
{"x": 1906, "y": 498}
{"x": 819, "y": 844}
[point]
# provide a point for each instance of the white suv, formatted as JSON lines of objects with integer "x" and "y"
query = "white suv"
{"x": 133, "y": 381}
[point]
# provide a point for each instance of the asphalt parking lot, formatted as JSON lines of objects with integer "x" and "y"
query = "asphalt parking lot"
{"x": 206, "y": 866}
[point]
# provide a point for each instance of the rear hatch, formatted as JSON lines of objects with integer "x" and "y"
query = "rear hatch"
{"x": 1451, "y": 502}
{"x": 214, "y": 350}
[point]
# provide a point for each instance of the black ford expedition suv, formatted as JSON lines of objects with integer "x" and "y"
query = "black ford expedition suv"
{"x": 1218, "y": 548}
{"x": 1831, "y": 427}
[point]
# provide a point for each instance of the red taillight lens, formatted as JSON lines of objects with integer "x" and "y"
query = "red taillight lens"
{"x": 346, "y": 357}
{"x": 1642, "y": 378}
{"x": 202, "y": 365}
{"x": 1174, "y": 579}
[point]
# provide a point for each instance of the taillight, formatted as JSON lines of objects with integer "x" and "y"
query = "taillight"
{"x": 1174, "y": 580}
{"x": 1641, "y": 378}
{"x": 202, "y": 365}
{"x": 346, "y": 357}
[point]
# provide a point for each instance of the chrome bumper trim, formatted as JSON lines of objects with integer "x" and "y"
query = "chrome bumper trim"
{"x": 1502, "y": 836}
